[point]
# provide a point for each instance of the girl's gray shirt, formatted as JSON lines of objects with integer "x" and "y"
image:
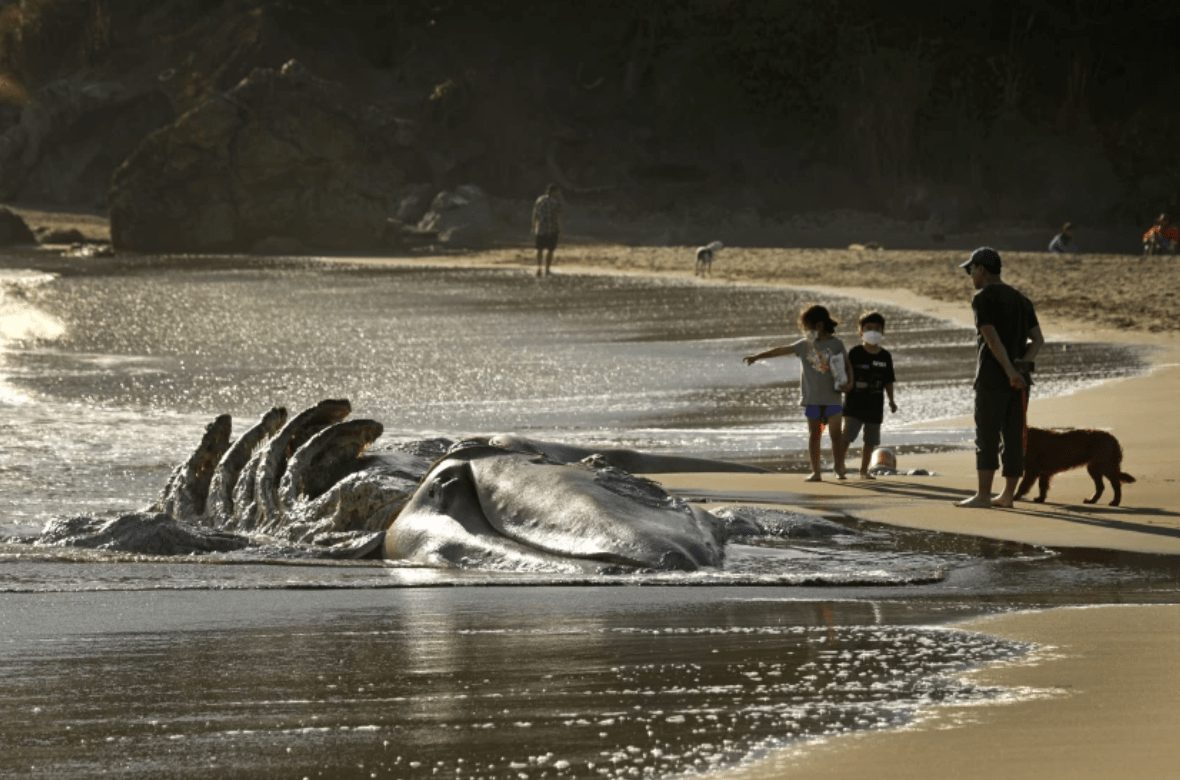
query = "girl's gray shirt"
{"x": 816, "y": 382}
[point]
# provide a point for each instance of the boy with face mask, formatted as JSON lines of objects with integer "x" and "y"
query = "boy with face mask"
{"x": 864, "y": 404}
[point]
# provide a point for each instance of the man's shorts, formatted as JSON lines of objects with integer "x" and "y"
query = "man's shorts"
{"x": 852, "y": 426}
{"x": 547, "y": 241}
{"x": 821, "y": 412}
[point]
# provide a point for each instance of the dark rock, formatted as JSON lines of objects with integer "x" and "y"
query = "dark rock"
{"x": 281, "y": 154}
{"x": 462, "y": 218}
{"x": 71, "y": 136}
{"x": 13, "y": 229}
{"x": 413, "y": 201}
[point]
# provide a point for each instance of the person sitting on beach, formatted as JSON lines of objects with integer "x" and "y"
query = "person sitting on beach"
{"x": 872, "y": 380}
{"x": 1062, "y": 243}
{"x": 824, "y": 377}
{"x": 1008, "y": 342}
{"x": 1161, "y": 237}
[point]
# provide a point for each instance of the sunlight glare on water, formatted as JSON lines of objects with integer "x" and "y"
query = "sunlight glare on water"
{"x": 118, "y": 371}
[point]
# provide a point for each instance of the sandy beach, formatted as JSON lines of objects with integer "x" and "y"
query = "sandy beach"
{"x": 1098, "y": 719}
{"x": 1083, "y": 714}
{"x": 1129, "y": 301}
{"x": 1094, "y": 717}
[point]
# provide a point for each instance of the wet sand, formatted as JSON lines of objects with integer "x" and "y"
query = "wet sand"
{"x": 1105, "y": 719}
{"x": 1113, "y": 673}
{"x": 1102, "y": 705}
{"x": 1115, "y": 682}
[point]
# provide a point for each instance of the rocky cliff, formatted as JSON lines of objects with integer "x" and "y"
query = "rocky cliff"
{"x": 223, "y": 124}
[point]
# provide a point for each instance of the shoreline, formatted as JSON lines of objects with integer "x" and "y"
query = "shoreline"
{"x": 1127, "y": 407}
{"x": 1077, "y": 714}
{"x": 1067, "y": 734}
{"x": 1091, "y": 718}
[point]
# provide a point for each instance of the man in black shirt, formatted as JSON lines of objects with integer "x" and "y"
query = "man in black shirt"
{"x": 1008, "y": 342}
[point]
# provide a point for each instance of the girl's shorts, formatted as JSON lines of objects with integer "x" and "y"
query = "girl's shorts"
{"x": 822, "y": 413}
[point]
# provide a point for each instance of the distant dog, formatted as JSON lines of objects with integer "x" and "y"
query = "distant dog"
{"x": 1052, "y": 452}
{"x": 705, "y": 256}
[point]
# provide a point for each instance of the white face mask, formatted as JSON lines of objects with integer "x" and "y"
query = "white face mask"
{"x": 873, "y": 337}
{"x": 811, "y": 335}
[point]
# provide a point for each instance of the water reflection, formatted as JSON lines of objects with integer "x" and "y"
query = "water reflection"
{"x": 487, "y": 684}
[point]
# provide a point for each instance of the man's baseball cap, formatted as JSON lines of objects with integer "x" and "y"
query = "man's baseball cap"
{"x": 985, "y": 256}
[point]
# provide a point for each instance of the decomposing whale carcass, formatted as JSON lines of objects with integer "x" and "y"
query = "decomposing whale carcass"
{"x": 629, "y": 460}
{"x": 488, "y": 507}
{"x": 307, "y": 481}
{"x": 313, "y": 481}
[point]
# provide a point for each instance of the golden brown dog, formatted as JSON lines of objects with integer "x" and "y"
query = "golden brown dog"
{"x": 1052, "y": 452}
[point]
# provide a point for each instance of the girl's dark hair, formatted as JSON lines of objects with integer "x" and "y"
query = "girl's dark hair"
{"x": 872, "y": 316}
{"x": 817, "y": 315}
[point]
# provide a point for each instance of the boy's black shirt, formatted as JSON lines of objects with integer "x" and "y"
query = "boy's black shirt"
{"x": 866, "y": 400}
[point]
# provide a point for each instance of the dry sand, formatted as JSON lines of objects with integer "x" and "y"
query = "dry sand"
{"x": 1111, "y": 703}
{"x": 1120, "y": 292}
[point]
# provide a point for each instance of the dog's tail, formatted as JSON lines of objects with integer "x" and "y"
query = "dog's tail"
{"x": 1125, "y": 478}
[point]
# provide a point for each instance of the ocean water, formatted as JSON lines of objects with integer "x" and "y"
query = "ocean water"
{"x": 109, "y": 372}
{"x": 238, "y": 666}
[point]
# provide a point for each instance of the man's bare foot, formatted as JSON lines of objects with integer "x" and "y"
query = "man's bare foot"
{"x": 841, "y": 475}
{"x": 866, "y": 475}
{"x": 1002, "y": 501}
{"x": 814, "y": 478}
{"x": 976, "y": 502}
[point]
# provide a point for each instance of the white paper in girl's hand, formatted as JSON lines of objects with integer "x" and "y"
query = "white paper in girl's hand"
{"x": 839, "y": 375}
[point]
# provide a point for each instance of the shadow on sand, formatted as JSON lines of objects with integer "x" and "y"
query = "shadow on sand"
{"x": 1089, "y": 514}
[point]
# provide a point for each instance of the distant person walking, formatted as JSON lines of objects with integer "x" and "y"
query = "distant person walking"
{"x": 1062, "y": 243}
{"x": 547, "y": 214}
{"x": 825, "y": 376}
{"x": 1162, "y": 237}
{"x": 1008, "y": 342}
